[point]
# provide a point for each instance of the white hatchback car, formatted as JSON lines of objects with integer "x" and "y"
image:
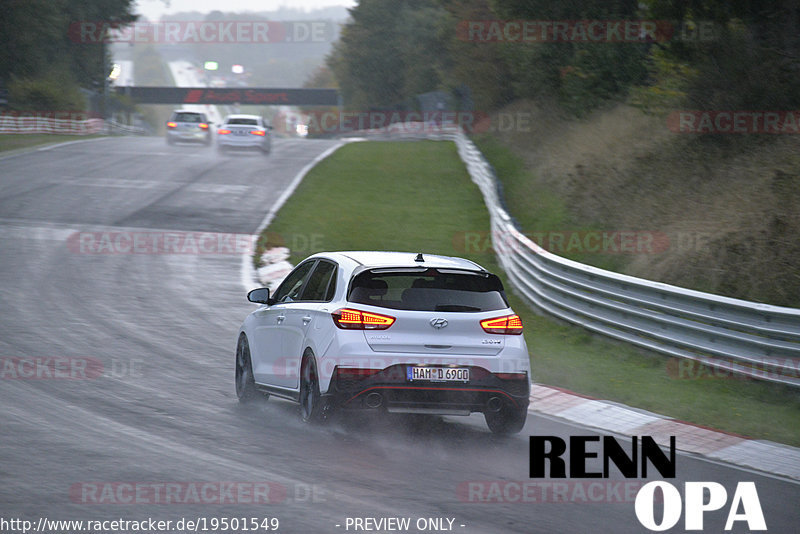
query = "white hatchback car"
{"x": 393, "y": 331}
{"x": 244, "y": 132}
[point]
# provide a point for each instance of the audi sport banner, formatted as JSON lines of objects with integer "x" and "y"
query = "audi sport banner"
{"x": 226, "y": 95}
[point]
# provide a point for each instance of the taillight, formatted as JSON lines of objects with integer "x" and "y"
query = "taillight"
{"x": 508, "y": 325}
{"x": 258, "y": 132}
{"x": 171, "y": 125}
{"x": 223, "y": 132}
{"x": 203, "y": 126}
{"x": 350, "y": 319}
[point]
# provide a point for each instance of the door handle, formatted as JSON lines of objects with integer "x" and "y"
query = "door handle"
{"x": 280, "y": 318}
{"x": 306, "y": 319}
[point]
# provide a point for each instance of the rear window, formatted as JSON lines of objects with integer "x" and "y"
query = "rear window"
{"x": 188, "y": 117}
{"x": 428, "y": 290}
{"x": 247, "y": 122}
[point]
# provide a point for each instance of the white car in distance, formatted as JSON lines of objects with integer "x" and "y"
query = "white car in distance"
{"x": 244, "y": 132}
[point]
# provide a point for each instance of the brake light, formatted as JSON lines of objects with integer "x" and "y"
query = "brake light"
{"x": 223, "y": 132}
{"x": 203, "y": 126}
{"x": 350, "y": 319}
{"x": 258, "y": 132}
{"x": 508, "y": 325}
{"x": 171, "y": 125}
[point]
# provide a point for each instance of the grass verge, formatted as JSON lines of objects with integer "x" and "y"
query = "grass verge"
{"x": 417, "y": 196}
{"x": 19, "y": 141}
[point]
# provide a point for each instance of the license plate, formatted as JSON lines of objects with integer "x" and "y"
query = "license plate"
{"x": 438, "y": 374}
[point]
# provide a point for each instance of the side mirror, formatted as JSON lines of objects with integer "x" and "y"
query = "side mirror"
{"x": 259, "y": 296}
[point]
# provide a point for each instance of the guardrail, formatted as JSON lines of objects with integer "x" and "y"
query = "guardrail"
{"x": 115, "y": 127}
{"x": 736, "y": 336}
{"x": 32, "y": 124}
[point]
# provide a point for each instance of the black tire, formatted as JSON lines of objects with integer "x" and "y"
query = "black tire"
{"x": 509, "y": 420}
{"x": 245, "y": 383}
{"x": 170, "y": 141}
{"x": 311, "y": 408}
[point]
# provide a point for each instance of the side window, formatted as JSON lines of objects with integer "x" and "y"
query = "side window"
{"x": 321, "y": 283}
{"x": 331, "y": 288}
{"x": 290, "y": 289}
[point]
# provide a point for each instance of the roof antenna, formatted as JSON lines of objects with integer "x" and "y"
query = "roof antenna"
{"x": 419, "y": 258}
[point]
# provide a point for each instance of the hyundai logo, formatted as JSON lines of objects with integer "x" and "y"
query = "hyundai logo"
{"x": 438, "y": 322}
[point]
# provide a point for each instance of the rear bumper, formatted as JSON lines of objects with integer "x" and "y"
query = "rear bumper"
{"x": 391, "y": 390}
{"x": 189, "y": 136}
{"x": 252, "y": 141}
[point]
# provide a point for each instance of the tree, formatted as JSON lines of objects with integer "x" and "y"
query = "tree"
{"x": 752, "y": 59}
{"x": 581, "y": 75}
{"x": 388, "y": 52}
{"x": 36, "y": 41}
{"x": 31, "y": 35}
{"x": 480, "y": 68}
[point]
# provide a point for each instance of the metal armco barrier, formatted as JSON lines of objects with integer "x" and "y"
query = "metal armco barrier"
{"x": 23, "y": 124}
{"x": 726, "y": 334}
{"x": 115, "y": 127}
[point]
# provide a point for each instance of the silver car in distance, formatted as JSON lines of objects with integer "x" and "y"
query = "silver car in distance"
{"x": 244, "y": 132}
{"x": 387, "y": 331}
{"x": 188, "y": 126}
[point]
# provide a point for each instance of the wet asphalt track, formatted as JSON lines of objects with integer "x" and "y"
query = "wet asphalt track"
{"x": 158, "y": 332}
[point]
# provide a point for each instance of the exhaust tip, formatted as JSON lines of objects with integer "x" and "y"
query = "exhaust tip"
{"x": 374, "y": 400}
{"x": 494, "y": 404}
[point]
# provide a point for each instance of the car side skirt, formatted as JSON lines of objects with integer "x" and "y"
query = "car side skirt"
{"x": 284, "y": 393}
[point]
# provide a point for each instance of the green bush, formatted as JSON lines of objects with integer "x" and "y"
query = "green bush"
{"x": 669, "y": 78}
{"x": 738, "y": 72}
{"x": 53, "y": 93}
{"x": 599, "y": 73}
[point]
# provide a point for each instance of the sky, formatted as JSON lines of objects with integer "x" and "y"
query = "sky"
{"x": 154, "y": 9}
